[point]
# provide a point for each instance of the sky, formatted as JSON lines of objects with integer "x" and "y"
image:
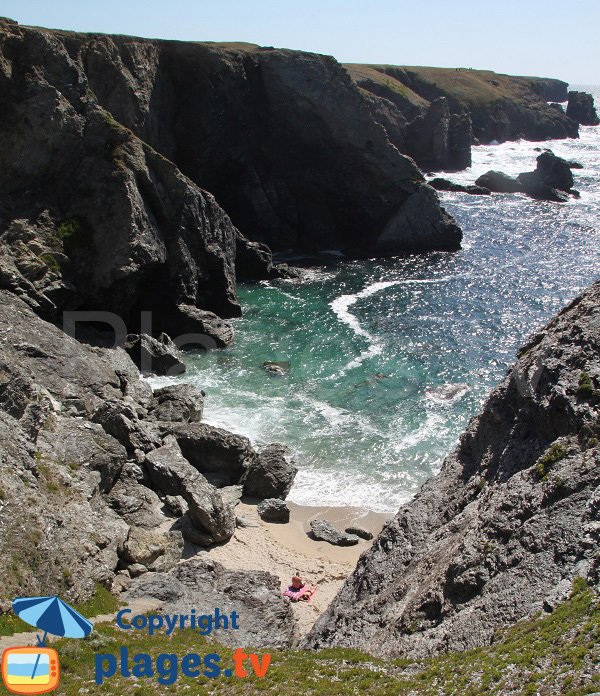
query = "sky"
{"x": 549, "y": 38}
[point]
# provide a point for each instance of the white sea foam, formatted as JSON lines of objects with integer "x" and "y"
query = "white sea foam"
{"x": 341, "y": 307}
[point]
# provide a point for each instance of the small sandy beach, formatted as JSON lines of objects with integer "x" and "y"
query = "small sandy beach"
{"x": 286, "y": 550}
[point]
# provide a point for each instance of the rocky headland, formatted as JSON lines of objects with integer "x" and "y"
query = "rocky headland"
{"x": 509, "y": 522}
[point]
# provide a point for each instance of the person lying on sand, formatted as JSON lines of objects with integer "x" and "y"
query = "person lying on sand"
{"x": 299, "y": 590}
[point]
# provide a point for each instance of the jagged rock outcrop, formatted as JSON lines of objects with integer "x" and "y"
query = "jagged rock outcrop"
{"x": 581, "y": 109}
{"x": 110, "y": 146}
{"x": 507, "y": 524}
{"x": 93, "y": 485}
{"x": 440, "y": 184}
{"x": 265, "y": 619}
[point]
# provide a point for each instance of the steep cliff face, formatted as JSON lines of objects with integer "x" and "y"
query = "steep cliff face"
{"x": 437, "y": 112}
{"x": 510, "y": 520}
{"x": 108, "y": 147}
{"x": 283, "y": 139}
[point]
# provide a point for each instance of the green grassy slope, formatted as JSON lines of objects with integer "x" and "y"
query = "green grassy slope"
{"x": 558, "y": 653}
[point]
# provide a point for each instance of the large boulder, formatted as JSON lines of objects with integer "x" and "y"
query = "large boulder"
{"x": 120, "y": 420}
{"x": 552, "y": 179}
{"x": 323, "y": 530}
{"x": 265, "y": 619}
{"x": 154, "y": 550}
{"x": 273, "y": 510}
{"x": 271, "y": 474}
{"x": 211, "y": 520}
{"x": 581, "y": 109}
{"x": 154, "y": 355}
{"x": 218, "y": 454}
{"x": 178, "y": 403}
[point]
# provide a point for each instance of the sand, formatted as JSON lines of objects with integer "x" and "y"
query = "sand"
{"x": 286, "y": 550}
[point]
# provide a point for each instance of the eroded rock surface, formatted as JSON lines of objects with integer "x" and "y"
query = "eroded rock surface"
{"x": 511, "y": 519}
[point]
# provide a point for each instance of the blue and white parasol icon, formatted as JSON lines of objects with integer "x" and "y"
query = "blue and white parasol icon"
{"x": 51, "y": 615}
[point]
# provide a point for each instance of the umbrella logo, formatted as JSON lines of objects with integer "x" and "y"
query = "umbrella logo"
{"x": 36, "y": 670}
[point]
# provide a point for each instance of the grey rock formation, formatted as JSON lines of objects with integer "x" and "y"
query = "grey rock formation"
{"x": 581, "y": 109}
{"x": 417, "y": 229}
{"x": 439, "y": 139}
{"x": 499, "y": 182}
{"x": 154, "y": 355}
{"x": 211, "y": 519}
{"x": 322, "y": 530}
{"x": 273, "y": 510}
{"x": 179, "y": 403}
{"x": 271, "y": 474}
{"x": 552, "y": 180}
{"x": 265, "y": 619}
{"x": 150, "y": 127}
{"x": 221, "y": 456}
{"x": 510, "y": 519}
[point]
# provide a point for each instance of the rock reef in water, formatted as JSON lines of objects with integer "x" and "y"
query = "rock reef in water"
{"x": 507, "y": 524}
{"x": 552, "y": 180}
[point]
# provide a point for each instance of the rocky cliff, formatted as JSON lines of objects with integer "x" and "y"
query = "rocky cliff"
{"x": 132, "y": 133}
{"x": 104, "y": 481}
{"x": 508, "y": 523}
{"x": 434, "y": 114}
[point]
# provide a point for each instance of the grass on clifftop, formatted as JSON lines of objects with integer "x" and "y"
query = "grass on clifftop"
{"x": 103, "y": 602}
{"x": 555, "y": 654}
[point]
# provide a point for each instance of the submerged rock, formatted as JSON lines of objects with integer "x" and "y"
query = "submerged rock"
{"x": 322, "y": 530}
{"x": 279, "y": 368}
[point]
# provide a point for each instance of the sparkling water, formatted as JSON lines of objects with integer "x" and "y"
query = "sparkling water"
{"x": 386, "y": 361}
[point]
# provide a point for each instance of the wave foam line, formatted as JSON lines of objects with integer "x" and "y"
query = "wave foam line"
{"x": 341, "y": 307}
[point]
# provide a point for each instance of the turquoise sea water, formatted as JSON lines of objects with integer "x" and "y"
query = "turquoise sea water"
{"x": 370, "y": 342}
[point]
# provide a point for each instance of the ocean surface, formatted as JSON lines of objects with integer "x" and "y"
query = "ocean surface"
{"x": 388, "y": 360}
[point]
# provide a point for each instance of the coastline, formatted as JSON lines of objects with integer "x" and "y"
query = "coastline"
{"x": 286, "y": 550}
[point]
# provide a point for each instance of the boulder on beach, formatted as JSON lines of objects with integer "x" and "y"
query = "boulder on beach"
{"x": 271, "y": 474}
{"x": 359, "y": 532}
{"x": 323, "y": 530}
{"x": 221, "y": 456}
{"x": 208, "y": 519}
{"x": 273, "y": 510}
